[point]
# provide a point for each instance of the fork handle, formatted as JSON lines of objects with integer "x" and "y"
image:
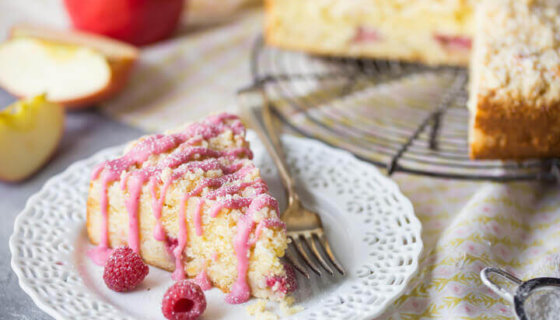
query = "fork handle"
{"x": 254, "y": 103}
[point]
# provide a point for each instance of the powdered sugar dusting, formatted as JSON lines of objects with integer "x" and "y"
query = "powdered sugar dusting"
{"x": 543, "y": 304}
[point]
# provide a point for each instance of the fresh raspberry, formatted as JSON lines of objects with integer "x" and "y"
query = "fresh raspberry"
{"x": 183, "y": 301}
{"x": 124, "y": 270}
{"x": 291, "y": 281}
{"x": 285, "y": 284}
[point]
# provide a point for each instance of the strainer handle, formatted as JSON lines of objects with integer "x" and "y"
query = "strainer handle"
{"x": 485, "y": 276}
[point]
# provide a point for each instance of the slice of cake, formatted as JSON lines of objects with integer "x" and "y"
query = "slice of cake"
{"x": 515, "y": 80}
{"x": 428, "y": 31}
{"x": 191, "y": 201}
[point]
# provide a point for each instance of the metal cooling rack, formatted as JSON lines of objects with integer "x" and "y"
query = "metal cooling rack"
{"x": 400, "y": 116}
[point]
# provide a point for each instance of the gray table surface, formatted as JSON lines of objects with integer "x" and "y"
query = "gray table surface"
{"x": 86, "y": 133}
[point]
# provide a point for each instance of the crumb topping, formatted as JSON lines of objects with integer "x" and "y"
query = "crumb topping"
{"x": 517, "y": 51}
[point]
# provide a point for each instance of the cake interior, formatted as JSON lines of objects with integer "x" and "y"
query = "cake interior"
{"x": 428, "y": 31}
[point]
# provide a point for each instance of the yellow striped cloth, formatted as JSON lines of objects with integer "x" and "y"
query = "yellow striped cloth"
{"x": 189, "y": 76}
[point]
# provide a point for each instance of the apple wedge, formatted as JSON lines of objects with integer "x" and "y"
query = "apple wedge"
{"x": 30, "y": 131}
{"x": 74, "y": 69}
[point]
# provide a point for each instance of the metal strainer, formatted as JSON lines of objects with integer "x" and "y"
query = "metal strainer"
{"x": 535, "y": 299}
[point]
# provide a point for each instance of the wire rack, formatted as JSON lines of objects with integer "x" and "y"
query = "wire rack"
{"x": 403, "y": 117}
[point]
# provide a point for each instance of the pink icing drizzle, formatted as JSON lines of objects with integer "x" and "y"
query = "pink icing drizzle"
{"x": 179, "y": 273}
{"x": 197, "y": 219}
{"x": 230, "y": 203}
{"x": 202, "y": 280}
{"x": 267, "y": 223}
{"x": 111, "y": 171}
{"x": 182, "y": 159}
{"x": 206, "y": 165}
{"x": 138, "y": 178}
{"x": 99, "y": 255}
{"x": 131, "y": 203}
{"x": 157, "y": 205}
{"x": 170, "y": 244}
{"x": 258, "y": 185}
{"x": 240, "y": 291}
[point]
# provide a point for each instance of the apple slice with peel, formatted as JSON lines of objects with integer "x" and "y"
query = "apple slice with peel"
{"x": 30, "y": 131}
{"x": 73, "y": 68}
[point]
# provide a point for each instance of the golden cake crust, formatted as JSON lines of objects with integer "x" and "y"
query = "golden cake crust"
{"x": 501, "y": 130}
{"x": 515, "y": 80}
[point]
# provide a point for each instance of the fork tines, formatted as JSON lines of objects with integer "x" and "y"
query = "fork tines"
{"x": 312, "y": 247}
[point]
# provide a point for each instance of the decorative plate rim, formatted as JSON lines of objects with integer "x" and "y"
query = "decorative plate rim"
{"x": 47, "y": 307}
{"x": 22, "y": 281}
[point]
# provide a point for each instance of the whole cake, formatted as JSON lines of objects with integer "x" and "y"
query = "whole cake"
{"x": 514, "y": 97}
{"x": 192, "y": 201}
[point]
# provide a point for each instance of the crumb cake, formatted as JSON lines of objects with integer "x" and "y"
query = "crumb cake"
{"x": 427, "y": 31}
{"x": 515, "y": 65}
{"x": 515, "y": 80}
{"x": 191, "y": 201}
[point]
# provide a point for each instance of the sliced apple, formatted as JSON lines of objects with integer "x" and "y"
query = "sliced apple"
{"x": 30, "y": 131}
{"x": 73, "y": 68}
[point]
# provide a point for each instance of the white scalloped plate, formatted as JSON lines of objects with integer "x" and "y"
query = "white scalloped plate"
{"x": 370, "y": 224}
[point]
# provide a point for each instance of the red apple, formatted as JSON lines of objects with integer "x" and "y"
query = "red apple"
{"x": 138, "y": 22}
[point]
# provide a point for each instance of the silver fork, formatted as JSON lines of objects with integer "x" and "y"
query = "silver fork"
{"x": 304, "y": 227}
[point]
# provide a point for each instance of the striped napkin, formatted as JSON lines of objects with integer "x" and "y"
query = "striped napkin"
{"x": 189, "y": 76}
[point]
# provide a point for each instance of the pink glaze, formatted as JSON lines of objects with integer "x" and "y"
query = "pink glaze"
{"x": 99, "y": 255}
{"x": 258, "y": 185}
{"x": 206, "y": 165}
{"x": 159, "y": 143}
{"x": 197, "y": 219}
{"x": 179, "y": 273}
{"x": 203, "y": 281}
{"x": 170, "y": 245}
{"x": 240, "y": 291}
{"x": 184, "y": 159}
{"x": 220, "y": 181}
{"x": 131, "y": 203}
{"x": 452, "y": 42}
{"x": 150, "y": 172}
{"x": 229, "y": 203}
{"x": 157, "y": 205}
{"x": 267, "y": 223}
{"x": 189, "y": 153}
{"x": 365, "y": 34}
{"x": 111, "y": 171}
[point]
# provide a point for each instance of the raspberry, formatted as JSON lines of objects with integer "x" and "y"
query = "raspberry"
{"x": 286, "y": 284}
{"x": 183, "y": 301}
{"x": 124, "y": 270}
{"x": 291, "y": 282}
